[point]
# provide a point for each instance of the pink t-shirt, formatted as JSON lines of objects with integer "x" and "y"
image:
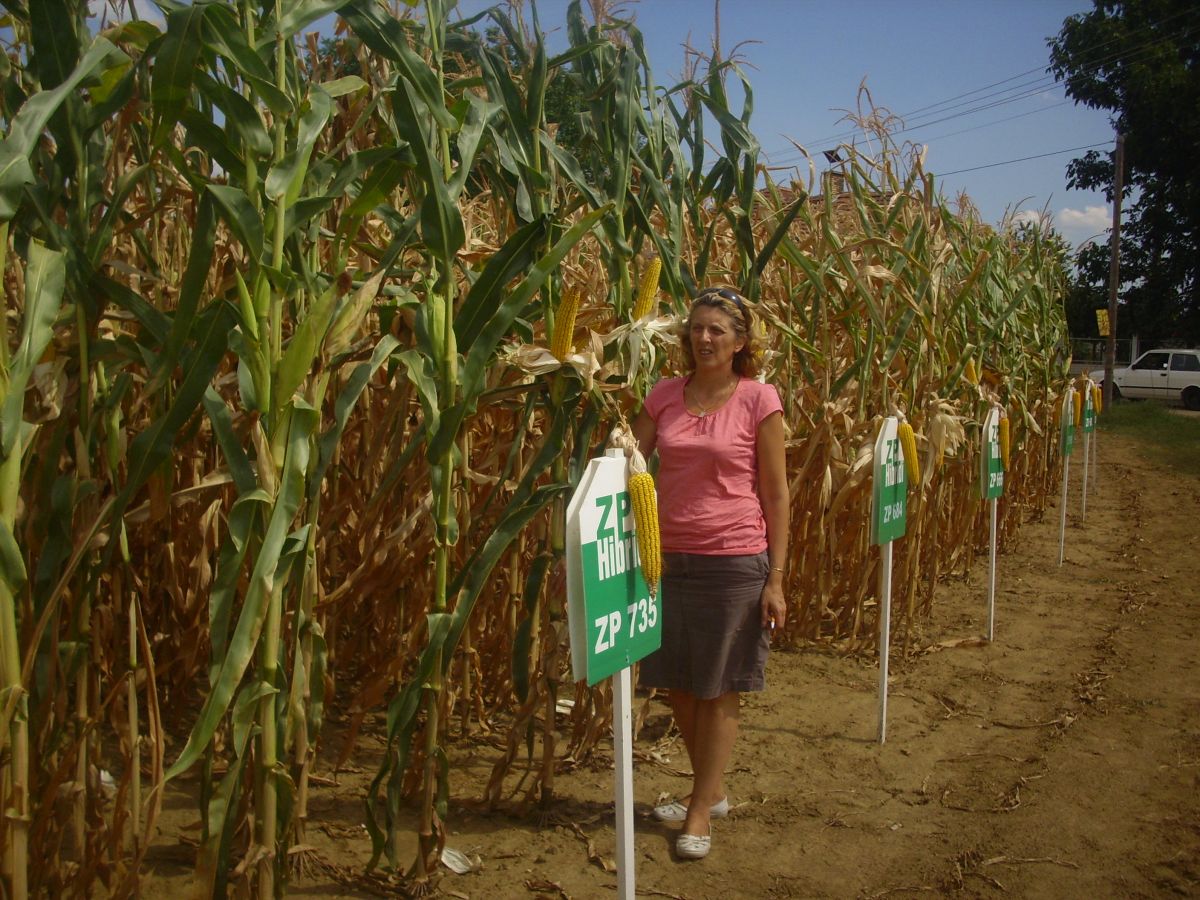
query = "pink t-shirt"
{"x": 708, "y": 469}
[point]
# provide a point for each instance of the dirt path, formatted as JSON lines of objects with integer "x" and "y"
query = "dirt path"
{"x": 1061, "y": 761}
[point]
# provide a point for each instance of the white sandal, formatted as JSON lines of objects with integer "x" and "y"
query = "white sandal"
{"x": 693, "y": 846}
{"x": 677, "y": 812}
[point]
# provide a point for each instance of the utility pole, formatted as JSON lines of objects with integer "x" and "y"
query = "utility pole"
{"x": 1114, "y": 270}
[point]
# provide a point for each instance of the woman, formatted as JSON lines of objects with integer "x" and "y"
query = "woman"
{"x": 723, "y": 508}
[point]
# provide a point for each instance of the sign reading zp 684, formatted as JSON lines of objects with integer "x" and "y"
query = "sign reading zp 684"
{"x": 889, "y": 492}
{"x": 612, "y": 618}
{"x": 991, "y": 464}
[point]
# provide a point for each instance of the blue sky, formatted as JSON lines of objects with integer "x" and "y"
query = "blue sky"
{"x": 967, "y": 76}
{"x": 806, "y": 60}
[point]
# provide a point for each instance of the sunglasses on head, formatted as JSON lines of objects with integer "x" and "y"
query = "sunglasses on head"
{"x": 725, "y": 294}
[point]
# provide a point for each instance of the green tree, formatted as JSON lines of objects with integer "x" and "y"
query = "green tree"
{"x": 1140, "y": 59}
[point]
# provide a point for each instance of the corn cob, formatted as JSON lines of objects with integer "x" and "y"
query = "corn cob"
{"x": 1005, "y": 444}
{"x": 1097, "y": 398}
{"x": 970, "y": 373}
{"x": 908, "y": 443}
{"x": 648, "y": 289}
{"x": 564, "y": 324}
{"x": 1079, "y": 409}
{"x": 645, "y": 517}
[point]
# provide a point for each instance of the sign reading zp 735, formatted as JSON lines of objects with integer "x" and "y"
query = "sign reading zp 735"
{"x": 613, "y": 620}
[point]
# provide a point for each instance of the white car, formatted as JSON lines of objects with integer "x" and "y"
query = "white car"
{"x": 1172, "y": 375}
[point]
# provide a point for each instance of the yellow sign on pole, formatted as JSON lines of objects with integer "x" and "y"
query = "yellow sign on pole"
{"x": 1102, "y": 322}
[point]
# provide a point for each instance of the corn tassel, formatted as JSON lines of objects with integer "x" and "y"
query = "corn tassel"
{"x": 647, "y": 290}
{"x": 1079, "y": 409}
{"x": 564, "y": 324}
{"x": 1005, "y": 442}
{"x": 908, "y": 443}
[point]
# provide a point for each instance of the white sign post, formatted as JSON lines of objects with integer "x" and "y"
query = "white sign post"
{"x": 1067, "y": 437}
{"x": 1089, "y": 425}
{"x": 991, "y": 487}
{"x": 888, "y": 516}
{"x": 612, "y": 619}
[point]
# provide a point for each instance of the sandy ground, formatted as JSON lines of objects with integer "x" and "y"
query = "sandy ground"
{"x": 1062, "y": 760}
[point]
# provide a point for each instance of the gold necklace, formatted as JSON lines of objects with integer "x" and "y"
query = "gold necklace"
{"x": 723, "y": 395}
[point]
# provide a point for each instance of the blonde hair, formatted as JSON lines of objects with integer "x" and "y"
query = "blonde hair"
{"x": 747, "y": 362}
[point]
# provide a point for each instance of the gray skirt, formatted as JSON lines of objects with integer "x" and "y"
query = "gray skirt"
{"x": 713, "y": 640}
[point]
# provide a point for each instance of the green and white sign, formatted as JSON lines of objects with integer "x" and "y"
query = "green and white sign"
{"x": 1089, "y": 410}
{"x": 889, "y": 495}
{"x": 1068, "y": 423}
{"x": 991, "y": 464}
{"x": 612, "y": 618}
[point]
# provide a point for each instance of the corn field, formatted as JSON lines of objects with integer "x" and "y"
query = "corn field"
{"x": 282, "y": 432}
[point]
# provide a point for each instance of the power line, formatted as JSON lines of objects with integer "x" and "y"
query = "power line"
{"x": 1028, "y": 112}
{"x": 1009, "y": 162}
{"x": 1027, "y": 89}
{"x": 1148, "y": 28}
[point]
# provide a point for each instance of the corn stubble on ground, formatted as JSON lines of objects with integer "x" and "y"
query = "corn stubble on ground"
{"x": 1062, "y": 761}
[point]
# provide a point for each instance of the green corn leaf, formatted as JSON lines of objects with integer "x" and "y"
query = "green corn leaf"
{"x": 287, "y": 176}
{"x": 31, "y": 120}
{"x": 175, "y": 67}
{"x": 55, "y": 44}
{"x": 241, "y": 648}
{"x": 518, "y": 252}
{"x": 441, "y": 219}
{"x": 901, "y": 332}
{"x": 239, "y": 113}
{"x": 340, "y": 87}
{"x": 240, "y": 467}
{"x": 248, "y": 510}
{"x": 377, "y": 187}
{"x": 419, "y": 369}
{"x": 12, "y": 564}
{"x": 344, "y": 405}
{"x": 488, "y": 338}
{"x": 480, "y": 112}
{"x": 298, "y": 15}
{"x": 223, "y": 34}
{"x": 218, "y": 143}
{"x": 243, "y": 218}
{"x": 385, "y": 36}
{"x": 297, "y": 361}
{"x": 45, "y": 276}
{"x": 401, "y": 719}
{"x": 780, "y": 232}
{"x": 152, "y": 447}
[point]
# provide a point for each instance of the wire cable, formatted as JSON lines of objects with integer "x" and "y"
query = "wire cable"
{"x": 1009, "y": 162}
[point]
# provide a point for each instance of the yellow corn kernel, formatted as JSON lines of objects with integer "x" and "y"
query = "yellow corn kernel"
{"x": 564, "y": 324}
{"x": 970, "y": 373}
{"x": 1005, "y": 442}
{"x": 908, "y": 443}
{"x": 648, "y": 290}
{"x": 645, "y": 516}
{"x": 1079, "y": 409}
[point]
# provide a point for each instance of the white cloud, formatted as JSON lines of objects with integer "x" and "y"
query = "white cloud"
{"x": 1094, "y": 217}
{"x": 1079, "y": 226}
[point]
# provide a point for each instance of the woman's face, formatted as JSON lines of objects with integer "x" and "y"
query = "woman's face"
{"x": 714, "y": 340}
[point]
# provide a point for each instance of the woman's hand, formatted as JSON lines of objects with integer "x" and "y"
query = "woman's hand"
{"x": 774, "y": 607}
